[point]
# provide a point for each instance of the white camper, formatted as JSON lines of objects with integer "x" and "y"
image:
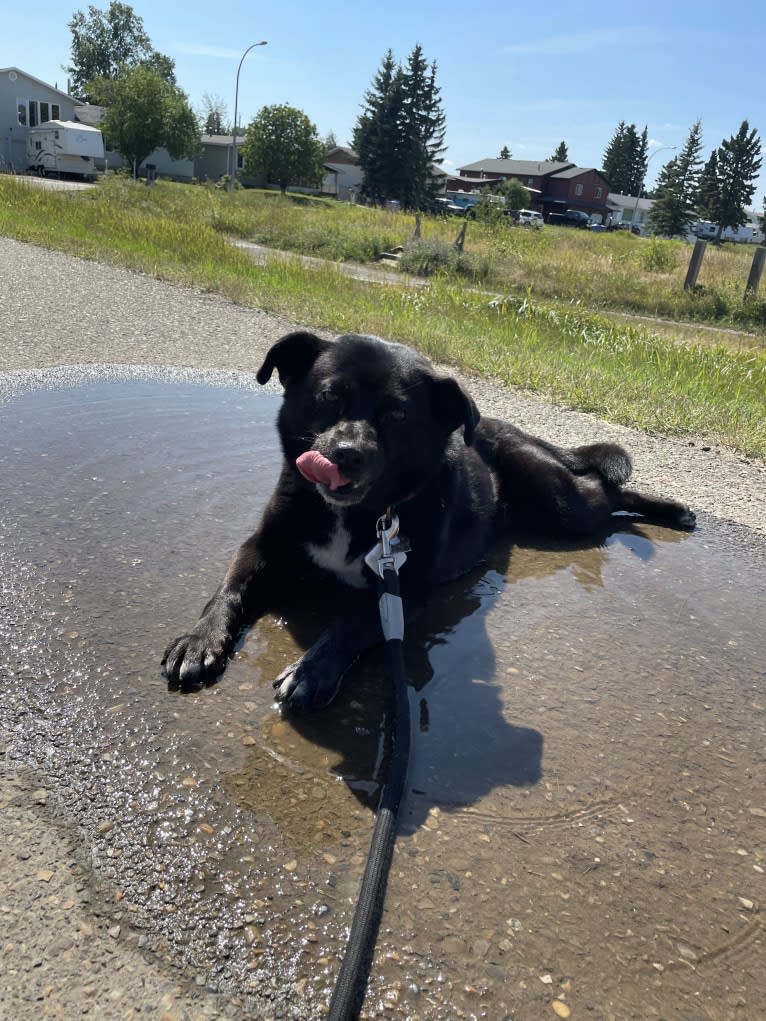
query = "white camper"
{"x": 64, "y": 147}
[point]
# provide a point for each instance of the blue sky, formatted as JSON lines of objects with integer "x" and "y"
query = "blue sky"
{"x": 526, "y": 78}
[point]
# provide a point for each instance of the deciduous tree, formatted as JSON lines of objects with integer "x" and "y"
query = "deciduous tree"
{"x": 213, "y": 117}
{"x": 282, "y": 144}
{"x": 103, "y": 42}
{"x": 144, "y": 112}
{"x": 515, "y": 194}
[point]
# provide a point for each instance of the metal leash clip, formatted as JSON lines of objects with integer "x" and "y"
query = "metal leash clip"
{"x": 390, "y": 551}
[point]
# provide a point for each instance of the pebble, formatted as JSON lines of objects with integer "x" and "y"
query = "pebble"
{"x": 560, "y": 1009}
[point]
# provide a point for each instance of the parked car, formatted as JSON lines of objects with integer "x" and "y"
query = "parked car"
{"x": 570, "y": 218}
{"x": 627, "y": 225}
{"x": 445, "y": 207}
{"x": 526, "y": 217}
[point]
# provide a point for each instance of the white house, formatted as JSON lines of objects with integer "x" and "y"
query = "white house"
{"x": 26, "y": 102}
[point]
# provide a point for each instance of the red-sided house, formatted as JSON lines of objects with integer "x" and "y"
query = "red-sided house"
{"x": 553, "y": 187}
{"x": 576, "y": 188}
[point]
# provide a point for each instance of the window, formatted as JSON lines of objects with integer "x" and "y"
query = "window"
{"x": 578, "y": 189}
{"x": 530, "y": 180}
{"x": 598, "y": 193}
{"x": 31, "y": 113}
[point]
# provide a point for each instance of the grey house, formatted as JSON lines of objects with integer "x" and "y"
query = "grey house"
{"x": 26, "y": 102}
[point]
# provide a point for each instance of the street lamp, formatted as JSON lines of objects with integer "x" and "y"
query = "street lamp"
{"x": 233, "y": 174}
{"x": 662, "y": 148}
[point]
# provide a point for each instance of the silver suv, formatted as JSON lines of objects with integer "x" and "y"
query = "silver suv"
{"x": 529, "y": 218}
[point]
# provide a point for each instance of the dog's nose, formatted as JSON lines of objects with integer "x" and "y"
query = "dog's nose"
{"x": 349, "y": 459}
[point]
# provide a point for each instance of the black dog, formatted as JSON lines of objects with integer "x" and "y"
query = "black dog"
{"x": 367, "y": 425}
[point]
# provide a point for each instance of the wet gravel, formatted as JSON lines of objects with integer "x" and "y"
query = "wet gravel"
{"x": 67, "y": 945}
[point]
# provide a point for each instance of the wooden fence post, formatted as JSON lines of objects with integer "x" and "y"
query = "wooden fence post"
{"x": 694, "y": 264}
{"x": 759, "y": 260}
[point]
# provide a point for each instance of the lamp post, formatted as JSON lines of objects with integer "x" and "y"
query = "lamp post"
{"x": 662, "y": 148}
{"x": 233, "y": 174}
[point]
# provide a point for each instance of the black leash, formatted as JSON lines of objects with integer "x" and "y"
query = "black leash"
{"x": 351, "y": 983}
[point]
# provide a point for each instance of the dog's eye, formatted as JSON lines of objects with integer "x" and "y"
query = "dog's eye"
{"x": 329, "y": 395}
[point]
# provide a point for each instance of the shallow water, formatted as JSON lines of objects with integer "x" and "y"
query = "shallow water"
{"x": 585, "y": 812}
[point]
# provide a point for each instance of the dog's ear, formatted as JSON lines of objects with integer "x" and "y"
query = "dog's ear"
{"x": 292, "y": 357}
{"x": 454, "y": 407}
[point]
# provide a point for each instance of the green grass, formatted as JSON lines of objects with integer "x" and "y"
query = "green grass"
{"x": 556, "y": 332}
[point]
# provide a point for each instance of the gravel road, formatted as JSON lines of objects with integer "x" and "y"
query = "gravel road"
{"x": 62, "y": 954}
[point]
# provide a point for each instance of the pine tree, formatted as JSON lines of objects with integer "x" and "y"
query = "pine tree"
{"x": 400, "y": 133}
{"x": 677, "y": 188}
{"x": 505, "y": 153}
{"x": 707, "y": 196}
{"x": 561, "y": 155}
{"x": 376, "y": 133}
{"x": 613, "y": 163}
{"x": 422, "y": 131}
{"x": 625, "y": 159}
{"x": 739, "y": 160}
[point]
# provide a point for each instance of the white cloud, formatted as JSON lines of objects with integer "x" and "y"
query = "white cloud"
{"x": 199, "y": 50}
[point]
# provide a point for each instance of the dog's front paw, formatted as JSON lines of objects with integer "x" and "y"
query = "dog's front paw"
{"x": 687, "y": 518}
{"x": 193, "y": 660}
{"x": 302, "y": 688}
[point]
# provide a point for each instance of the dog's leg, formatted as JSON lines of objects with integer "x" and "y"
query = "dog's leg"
{"x": 200, "y": 656}
{"x": 656, "y": 509}
{"x": 312, "y": 681}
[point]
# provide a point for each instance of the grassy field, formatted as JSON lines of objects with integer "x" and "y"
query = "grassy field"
{"x": 563, "y": 327}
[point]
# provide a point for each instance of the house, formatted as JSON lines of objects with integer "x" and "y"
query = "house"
{"x": 26, "y": 102}
{"x": 553, "y": 186}
{"x": 629, "y": 209}
{"x": 343, "y": 175}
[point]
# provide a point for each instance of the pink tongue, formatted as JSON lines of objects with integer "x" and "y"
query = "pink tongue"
{"x": 317, "y": 468}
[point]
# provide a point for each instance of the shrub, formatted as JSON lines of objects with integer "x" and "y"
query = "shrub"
{"x": 658, "y": 256}
{"x": 427, "y": 257}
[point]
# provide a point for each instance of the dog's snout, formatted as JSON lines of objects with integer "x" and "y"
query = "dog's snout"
{"x": 349, "y": 458}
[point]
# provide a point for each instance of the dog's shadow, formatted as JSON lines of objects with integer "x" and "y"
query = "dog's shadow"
{"x": 465, "y": 742}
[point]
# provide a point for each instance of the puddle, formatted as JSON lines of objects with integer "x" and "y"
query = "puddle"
{"x": 586, "y": 815}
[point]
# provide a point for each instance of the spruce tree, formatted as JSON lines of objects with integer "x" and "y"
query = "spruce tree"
{"x": 625, "y": 159}
{"x": 375, "y": 138}
{"x": 739, "y": 160}
{"x": 677, "y": 188}
{"x": 561, "y": 155}
{"x": 400, "y": 132}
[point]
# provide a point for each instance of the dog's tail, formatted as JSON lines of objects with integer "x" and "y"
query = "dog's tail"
{"x": 611, "y": 462}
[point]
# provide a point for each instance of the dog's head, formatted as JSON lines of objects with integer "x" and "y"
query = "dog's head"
{"x": 363, "y": 418}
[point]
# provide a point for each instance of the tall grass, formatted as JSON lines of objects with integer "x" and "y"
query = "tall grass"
{"x": 556, "y": 348}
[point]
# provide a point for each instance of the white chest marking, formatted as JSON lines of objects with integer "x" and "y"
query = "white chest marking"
{"x": 333, "y": 556}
